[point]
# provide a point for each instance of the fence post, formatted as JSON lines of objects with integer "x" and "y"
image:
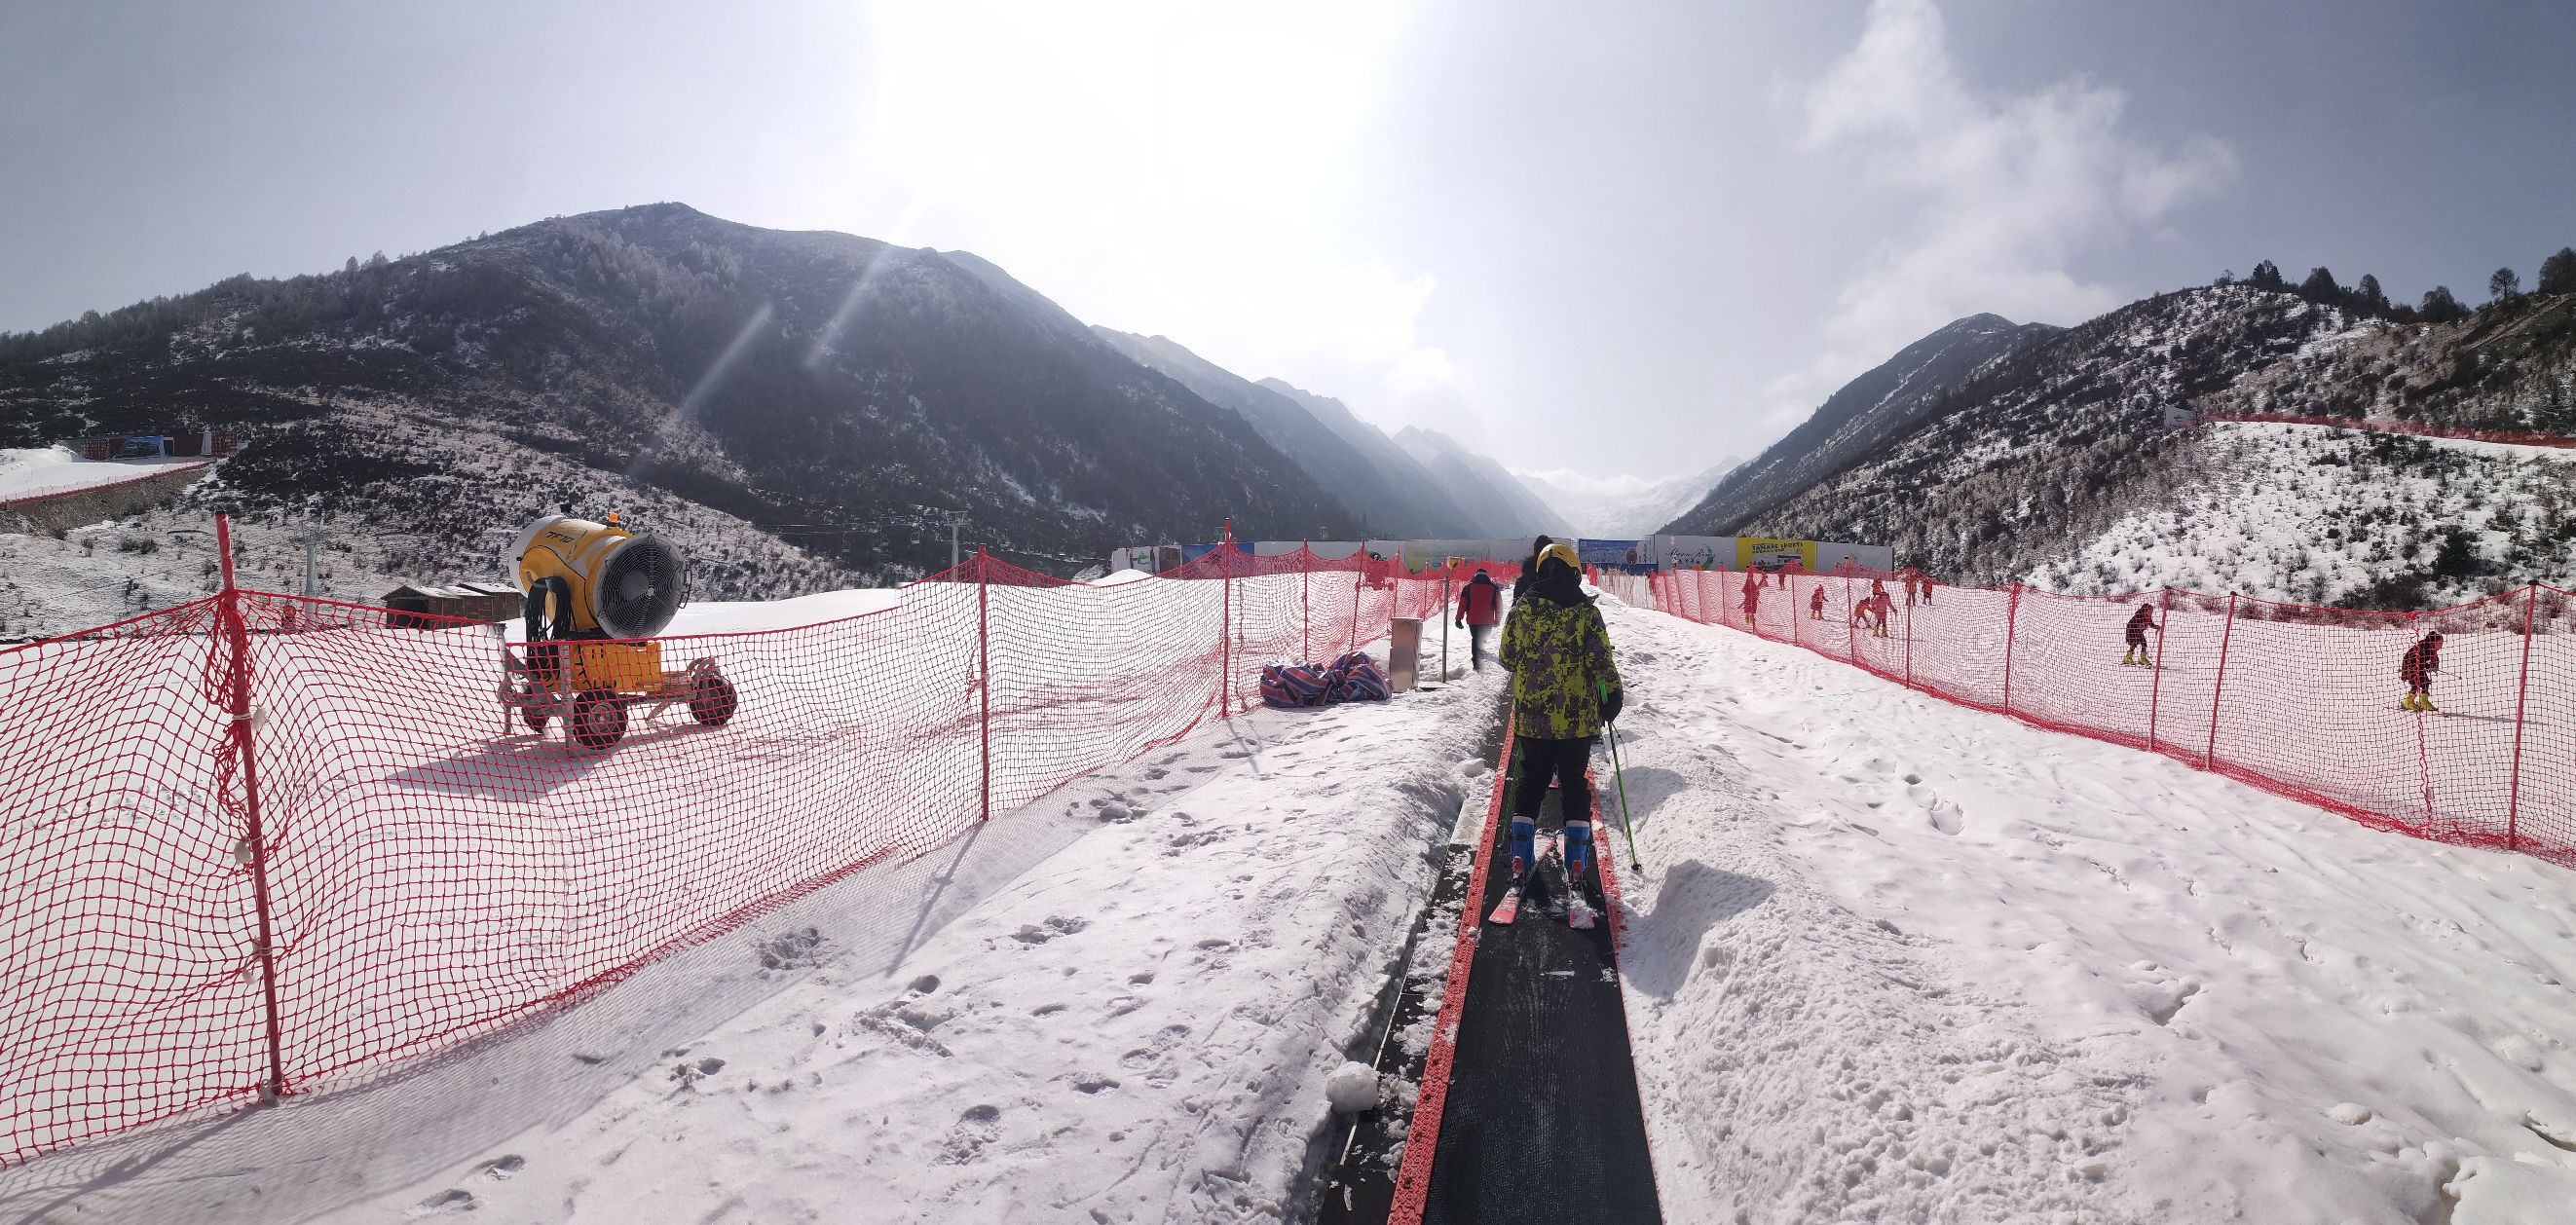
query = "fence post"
{"x": 1909, "y": 644}
{"x": 1225, "y": 627}
{"x": 2219, "y": 689}
{"x": 252, "y": 851}
{"x": 2012, "y": 616}
{"x": 1306, "y": 603}
{"x": 2521, "y": 693}
{"x": 984, "y": 665}
{"x": 2156, "y": 686}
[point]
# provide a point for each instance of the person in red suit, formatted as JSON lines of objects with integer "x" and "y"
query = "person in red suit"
{"x": 1480, "y": 607}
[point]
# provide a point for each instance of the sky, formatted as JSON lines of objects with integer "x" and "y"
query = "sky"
{"x": 1610, "y": 242}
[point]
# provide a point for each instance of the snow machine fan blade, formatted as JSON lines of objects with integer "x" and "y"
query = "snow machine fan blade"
{"x": 639, "y": 588}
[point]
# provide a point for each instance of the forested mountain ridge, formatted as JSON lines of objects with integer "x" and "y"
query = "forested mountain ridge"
{"x": 853, "y": 396}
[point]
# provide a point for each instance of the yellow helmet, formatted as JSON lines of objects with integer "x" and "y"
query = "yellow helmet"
{"x": 1561, "y": 551}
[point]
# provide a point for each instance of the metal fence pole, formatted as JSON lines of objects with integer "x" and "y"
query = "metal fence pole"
{"x": 1225, "y": 627}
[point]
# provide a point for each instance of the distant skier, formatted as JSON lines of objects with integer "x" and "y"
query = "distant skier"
{"x": 1911, "y": 581}
{"x": 2139, "y": 623}
{"x": 1816, "y": 605}
{"x": 1480, "y": 605}
{"x": 1752, "y": 594}
{"x": 1880, "y": 604}
{"x": 2416, "y": 668}
{"x": 1558, "y": 651}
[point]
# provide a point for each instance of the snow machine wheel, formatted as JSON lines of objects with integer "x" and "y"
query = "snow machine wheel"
{"x": 712, "y": 699}
{"x": 598, "y": 719}
{"x": 534, "y": 718}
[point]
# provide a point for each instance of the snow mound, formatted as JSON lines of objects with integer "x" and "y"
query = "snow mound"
{"x": 1352, "y": 1088}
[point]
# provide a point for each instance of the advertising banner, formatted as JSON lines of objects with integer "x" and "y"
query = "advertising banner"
{"x": 1694, "y": 552}
{"x": 1613, "y": 553}
{"x": 1760, "y": 553}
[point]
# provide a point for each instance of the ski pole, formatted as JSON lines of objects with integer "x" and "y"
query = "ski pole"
{"x": 1626, "y": 825}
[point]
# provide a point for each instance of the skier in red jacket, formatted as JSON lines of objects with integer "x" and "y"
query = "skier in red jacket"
{"x": 1752, "y": 594}
{"x": 1880, "y": 603}
{"x": 1480, "y": 605}
{"x": 2139, "y": 623}
{"x": 1816, "y": 605}
{"x": 2416, "y": 667}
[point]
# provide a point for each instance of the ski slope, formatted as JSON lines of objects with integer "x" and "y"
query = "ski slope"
{"x": 1897, "y": 960}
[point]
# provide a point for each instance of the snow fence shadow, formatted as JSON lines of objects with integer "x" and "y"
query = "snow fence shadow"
{"x": 1689, "y": 899}
{"x": 313, "y": 1154}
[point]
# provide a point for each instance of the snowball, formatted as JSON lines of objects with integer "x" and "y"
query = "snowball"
{"x": 1352, "y": 1088}
{"x": 2350, "y": 1114}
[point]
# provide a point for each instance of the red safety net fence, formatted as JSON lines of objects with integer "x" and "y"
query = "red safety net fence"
{"x": 259, "y": 844}
{"x": 2300, "y": 701}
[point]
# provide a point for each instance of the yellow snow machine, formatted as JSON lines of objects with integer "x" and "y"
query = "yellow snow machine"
{"x": 596, "y": 595}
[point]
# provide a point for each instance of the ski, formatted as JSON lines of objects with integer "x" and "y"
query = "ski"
{"x": 1509, "y": 908}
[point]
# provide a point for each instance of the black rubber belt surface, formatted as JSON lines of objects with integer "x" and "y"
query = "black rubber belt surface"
{"x": 1543, "y": 1122}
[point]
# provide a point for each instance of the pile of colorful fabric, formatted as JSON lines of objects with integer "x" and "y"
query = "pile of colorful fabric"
{"x": 1352, "y": 678}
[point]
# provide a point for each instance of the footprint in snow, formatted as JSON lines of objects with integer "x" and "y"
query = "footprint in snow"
{"x": 445, "y": 1202}
{"x": 979, "y": 1126}
{"x": 501, "y": 1168}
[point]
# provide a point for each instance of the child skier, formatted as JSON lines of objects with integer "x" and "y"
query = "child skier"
{"x": 2139, "y": 623}
{"x": 1879, "y": 604}
{"x": 1752, "y": 594}
{"x": 1558, "y": 651}
{"x": 1816, "y": 605}
{"x": 2416, "y": 668}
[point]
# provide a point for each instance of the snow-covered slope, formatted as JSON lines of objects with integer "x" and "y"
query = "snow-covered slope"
{"x": 2069, "y": 440}
{"x": 1895, "y": 960}
{"x": 2316, "y": 515}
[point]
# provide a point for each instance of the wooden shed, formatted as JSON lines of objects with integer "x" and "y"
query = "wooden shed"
{"x": 470, "y": 601}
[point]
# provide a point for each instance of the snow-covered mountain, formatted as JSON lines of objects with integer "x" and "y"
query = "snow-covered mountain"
{"x": 801, "y": 405}
{"x": 1622, "y": 508}
{"x": 1345, "y": 455}
{"x": 2056, "y": 463}
{"x": 1483, "y": 488}
{"x": 1865, "y": 415}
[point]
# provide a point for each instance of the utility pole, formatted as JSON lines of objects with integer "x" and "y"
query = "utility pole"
{"x": 311, "y": 538}
{"x": 955, "y": 558}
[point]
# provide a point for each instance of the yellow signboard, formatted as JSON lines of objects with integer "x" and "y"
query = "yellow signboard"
{"x": 1756, "y": 553}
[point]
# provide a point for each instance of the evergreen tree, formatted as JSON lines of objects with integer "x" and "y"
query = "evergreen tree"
{"x": 2558, "y": 272}
{"x": 2368, "y": 296}
{"x": 2266, "y": 275}
{"x": 2440, "y": 307}
{"x": 2506, "y": 283}
{"x": 2320, "y": 287}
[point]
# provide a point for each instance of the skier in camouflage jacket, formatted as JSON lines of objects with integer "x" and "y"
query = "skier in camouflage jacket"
{"x": 1564, "y": 687}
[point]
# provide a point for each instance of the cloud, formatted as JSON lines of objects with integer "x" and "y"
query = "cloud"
{"x": 2006, "y": 194}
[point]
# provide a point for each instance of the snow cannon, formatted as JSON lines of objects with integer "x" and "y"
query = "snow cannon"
{"x": 596, "y": 595}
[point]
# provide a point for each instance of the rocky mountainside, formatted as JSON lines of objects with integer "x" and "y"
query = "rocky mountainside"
{"x": 809, "y": 407}
{"x": 1389, "y": 503}
{"x": 1864, "y": 416}
{"x": 1486, "y": 490}
{"x": 2055, "y": 462}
